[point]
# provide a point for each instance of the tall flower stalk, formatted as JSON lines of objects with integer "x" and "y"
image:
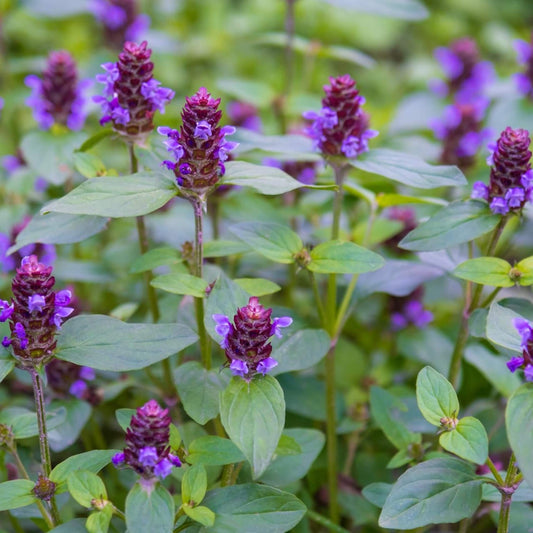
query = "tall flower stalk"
{"x": 198, "y": 151}
{"x": 340, "y": 132}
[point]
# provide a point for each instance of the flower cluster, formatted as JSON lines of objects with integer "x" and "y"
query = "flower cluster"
{"x": 58, "y": 97}
{"x": 524, "y": 80}
{"x": 131, "y": 94}
{"x": 244, "y": 115}
{"x": 120, "y": 20}
{"x": 525, "y": 330}
{"x": 511, "y": 177}
{"x": 461, "y": 132}
{"x": 199, "y": 148}
{"x": 466, "y": 75}
{"x": 147, "y": 443}
{"x": 66, "y": 378}
{"x": 410, "y": 310}
{"x": 35, "y": 313}
{"x": 246, "y": 339}
{"x": 340, "y": 128}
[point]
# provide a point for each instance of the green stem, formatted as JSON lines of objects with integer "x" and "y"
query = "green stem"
{"x": 323, "y": 521}
{"x": 205, "y": 348}
{"x": 289, "y": 48}
{"x": 46, "y": 461}
{"x": 227, "y": 473}
{"x": 505, "y": 512}
{"x": 119, "y": 513}
{"x": 15, "y": 523}
{"x": 318, "y": 300}
{"x": 494, "y": 471}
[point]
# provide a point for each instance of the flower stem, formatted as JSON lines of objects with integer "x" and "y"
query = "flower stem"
{"x": 205, "y": 348}
{"x": 323, "y": 521}
{"x": 505, "y": 512}
{"x": 46, "y": 461}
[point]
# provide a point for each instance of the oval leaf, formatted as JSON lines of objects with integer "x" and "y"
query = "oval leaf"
{"x": 16, "y": 493}
{"x": 178, "y": 283}
{"x": 106, "y": 343}
{"x": 485, "y": 271}
{"x": 435, "y": 396}
{"x": 194, "y": 485}
{"x": 258, "y": 286}
{"x": 337, "y": 257}
{"x": 253, "y": 415}
{"x": 525, "y": 267}
{"x": 212, "y": 450}
{"x": 84, "y": 487}
{"x": 500, "y": 329}
{"x": 149, "y": 510}
{"x": 468, "y": 440}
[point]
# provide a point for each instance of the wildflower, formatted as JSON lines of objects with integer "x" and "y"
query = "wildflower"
{"x": 120, "y": 20}
{"x": 525, "y": 329}
{"x": 58, "y": 97}
{"x": 340, "y": 128}
{"x": 44, "y": 488}
{"x": 511, "y": 176}
{"x": 147, "y": 443}
{"x": 244, "y": 115}
{"x": 410, "y": 310}
{"x": 131, "y": 95}
{"x": 245, "y": 341}
{"x": 199, "y": 148}
{"x": 524, "y": 80}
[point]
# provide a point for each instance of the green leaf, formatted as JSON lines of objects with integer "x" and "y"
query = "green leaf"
{"x": 84, "y": 487}
{"x": 194, "y": 485}
{"x": 485, "y": 271}
{"x": 519, "y": 424}
{"x": 223, "y": 248}
{"x": 435, "y": 396}
{"x": 500, "y": 329}
{"x": 178, "y": 283}
{"x": 92, "y": 141}
{"x": 16, "y": 493}
{"x": 98, "y": 522}
{"x": 174, "y": 437}
{"x": 337, "y": 257}
{"x": 255, "y": 92}
{"x": 149, "y": 510}
{"x": 376, "y": 493}
{"x": 265, "y": 180}
{"x": 400, "y": 458}
{"x": 155, "y": 258}
{"x": 123, "y": 417}
{"x": 92, "y": 461}
{"x": 200, "y": 514}
{"x": 89, "y": 165}
{"x": 408, "y": 169}
{"x": 58, "y": 228}
{"x": 199, "y": 390}
{"x": 494, "y": 368}
{"x": 50, "y": 154}
{"x": 400, "y": 9}
{"x": 7, "y": 364}
{"x": 106, "y": 343}
{"x": 393, "y": 199}
{"x": 254, "y": 508}
{"x": 293, "y": 147}
{"x": 258, "y": 286}
{"x": 382, "y": 403}
{"x": 455, "y": 224}
{"x": 468, "y": 440}
{"x": 525, "y": 267}
{"x": 253, "y": 415}
{"x": 24, "y": 422}
{"x": 287, "y": 446}
{"x": 439, "y": 491}
{"x": 65, "y": 434}
{"x": 286, "y": 469}
{"x": 72, "y": 526}
{"x": 275, "y": 242}
{"x": 212, "y": 450}
{"x": 302, "y": 350}
{"x": 116, "y": 197}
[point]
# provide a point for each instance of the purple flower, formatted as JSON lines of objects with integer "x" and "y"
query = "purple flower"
{"x": 525, "y": 330}
{"x": 277, "y": 323}
{"x": 78, "y": 388}
{"x": 6, "y": 341}
{"x": 528, "y": 373}
{"x": 524, "y": 80}
{"x": 238, "y": 368}
{"x": 244, "y": 115}
{"x": 148, "y": 456}
{"x": 417, "y": 315}
{"x": 158, "y": 96}
{"x": 499, "y": 206}
{"x": 174, "y": 459}
{"x": 515, "y": 363}
{"x": 409, "y": 310}
{"x": 480, "y": 191}
{"x": 266, "y": 365}
{"x": 6, "y": 310}
{"x": 203, "y": 130}
{"x": 87, "y": 373}
{"x": 36, "y": 302}
{"x": 118, "y": 459}
{"x": 515, "y": 197}
{"x": 163, "y": 468}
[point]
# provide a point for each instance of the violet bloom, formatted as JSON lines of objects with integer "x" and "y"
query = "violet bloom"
{"x": 525, "y": 329}
{"x": 524, "y": 80}
{"x": 120, "y": 20}
{"x": 147, "y": 443}
{"x": 340, "y": 128}
{"x": 58, "y": 97}
{"x": 244, "y": 115}
{"x": 131, "y": 95}
{"x": 245, "y": 341}
{"x": 65, "y": 378}
{"x": 409, "y": 310}
{"x": 199, "y": 148}
{"x": 511, "y": 176}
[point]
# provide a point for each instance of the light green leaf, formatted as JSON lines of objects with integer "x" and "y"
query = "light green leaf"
{"x": 106, "y": 343}
{"x": 155, "y": 258}
{"x": 200, "y": 514}
{"x": 179, "y": 283}
{"x": 223, "y": 248}
{"x": 485, "y": 271}
{"x": 253, "y": 415}
{"x": 258, "y": 286}
{"x": 255, "y": 92}
{"x": 212, "y": 450}
{"x": 194, "y": 485}
{"x": 401, "y": 9}
{"x": 116, "y": 197}
{"x": 337, "y": 257}
{"x": 89, "y": 165}
{"x": 500, "y": 329}
{"x": 16, "y": 493}
{"x": 149, "y": 510}
{"x": 376, "y": 493}
{"x": 84, "y": 487}
{"x": 123, "y": 417}
{"x": 525, "y": 267}
{"x": 435, "y": 396}
{"x": 7, "y": 363}
{"x": 24, "y": 422}
{"x": 98, "y": 521}
{"x": 468, "y": 440}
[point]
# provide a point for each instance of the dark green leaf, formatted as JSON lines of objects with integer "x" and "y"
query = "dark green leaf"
{"x": 149, "y": 510}
{"x": 435, "y": 396}
{"x": 72, "y": 526}
{"x": 486, "y": 271}
{"x": 194, "y": 485}
{"x": 179, "y": 283}
{"x": 455, "y": 224}
{"x": 123, "y": 417}
{"x": 7, "y": 363}
{"x": 24, "y": 422}
{"x": 500, "y": 329}
{"x": 84, "y": 487}
{"x": 65, "y": 434}
{"x": 377, "y": 493}
{"x": 106, "y": 343}
{"x": 337, "y": 257}
{"x": 468, "y": 440}
{"x": 16, "y": 493}
{"x": 212, "y": 450}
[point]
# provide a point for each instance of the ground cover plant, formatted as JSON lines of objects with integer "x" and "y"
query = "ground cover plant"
{"x": 266, "y": 266}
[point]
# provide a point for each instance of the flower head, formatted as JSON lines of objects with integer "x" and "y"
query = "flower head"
{"x": 199, "y": 148}
{"x": 341, "y": 126}
{"x": 58, "y": 97}
{"x": 524, "y": 80}
{"x": 244, "y": 115}
{"x": 408, "y": 310}
{"x": 131, "y": 95}
{"x": 246, "y": 340}
{"x": 525, "y": 329}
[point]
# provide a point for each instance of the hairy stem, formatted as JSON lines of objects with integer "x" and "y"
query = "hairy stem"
{"x": 205, "y": 348}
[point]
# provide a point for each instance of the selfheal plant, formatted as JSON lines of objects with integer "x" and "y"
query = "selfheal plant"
{"x": 199, "y": 148}
{"x": 525, "y": 362}
{"x": 35, "y": 313}
{"x": 245, "y": 341}
{"x": 131, "y": 94}
{"x": 147, "y": 444}
{"x": 410, "y": 310}
{"x": 524, "y": 80}
{"x": 511, "y": 176}
{"x": 58, "y": 97}
{"x": 340, "y": 128}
